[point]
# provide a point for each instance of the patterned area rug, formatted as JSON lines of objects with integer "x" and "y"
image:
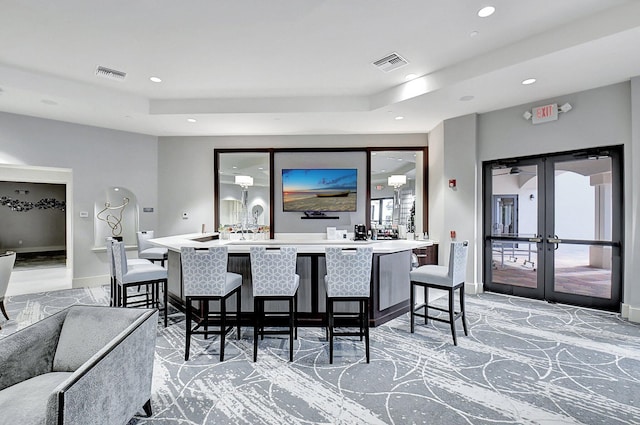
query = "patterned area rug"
{"x": 524, "y": 362}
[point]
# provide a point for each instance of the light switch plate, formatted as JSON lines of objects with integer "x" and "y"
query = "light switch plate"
{"x": 84, "y": 214}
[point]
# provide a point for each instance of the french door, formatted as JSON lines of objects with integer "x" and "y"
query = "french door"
{"x": 553, "y": 227}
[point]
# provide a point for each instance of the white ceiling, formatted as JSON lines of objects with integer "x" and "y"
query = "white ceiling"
{"x": 303, "y": 66}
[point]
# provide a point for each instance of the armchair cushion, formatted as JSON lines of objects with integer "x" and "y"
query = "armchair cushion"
{"x": 85, "y": 331}
{"x": 26, "y": 402}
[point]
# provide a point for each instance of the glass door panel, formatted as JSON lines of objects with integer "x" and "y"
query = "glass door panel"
{"x": 513, "y": 237}
{"x": 553, "y": 227}
{"x": 583, "y": 270}
{"x": 583, "y": 237}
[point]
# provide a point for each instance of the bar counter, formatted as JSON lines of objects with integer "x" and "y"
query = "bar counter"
{"x": 389, "y": 277}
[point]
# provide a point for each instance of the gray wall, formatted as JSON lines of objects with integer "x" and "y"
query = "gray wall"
{"x": 186, "y": 177}
{"x": 34, "y": 230}
{"x": 100, "y": 158}
{"x": 291, "y": 222}
{"x": 600, "y": 117}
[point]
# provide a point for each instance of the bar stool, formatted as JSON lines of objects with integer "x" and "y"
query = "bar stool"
{"x": 446, "y": 278}
{"x": 148, "y": 275}
{"x": 274, "y": 278}
{"x": 205, "y": 278}
{"x": 113, "y": 302}
{"x": 147, "y": 250}
{"x": 348, "y": 279}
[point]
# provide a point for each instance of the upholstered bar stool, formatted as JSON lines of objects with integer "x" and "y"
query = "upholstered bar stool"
{"x": 7, "y": 260}
{"x": 148, "y": 251}
{"x": 151, "y": 276}
{"x": 348, "y": 279}
{"x": 114, "y": 302}
{"x": 205, "y": 278}
{"x": 274, "y": 278}
{"x": 445, "y": 278}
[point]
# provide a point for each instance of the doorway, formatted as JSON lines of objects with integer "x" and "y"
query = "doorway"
{"x": 553, "y": 227}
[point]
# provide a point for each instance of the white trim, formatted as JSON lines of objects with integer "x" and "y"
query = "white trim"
{"x": 51, "y": 175}
{"x": 631, "y": 313}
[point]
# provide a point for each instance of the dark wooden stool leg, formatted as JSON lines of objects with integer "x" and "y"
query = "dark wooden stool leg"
{"x": 292, "y": 319}
{"x": 223, "y": 325}
{"x": 256, "y": 314}
{"x": 452, "y": 316}
{"x": 187, "y": 344}
{"x": 426, "y": 304}
{"x": 366, "y": 326}
{"x": 412, "y": 305}
{"x": 463, "y": 315}
{"x": 330, "y": 318}
{"x": 238, "y": 309}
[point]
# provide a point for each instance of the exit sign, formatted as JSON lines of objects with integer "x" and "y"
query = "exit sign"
{"x": 544, "y": 113}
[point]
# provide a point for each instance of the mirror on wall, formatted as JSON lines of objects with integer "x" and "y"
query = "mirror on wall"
{"x": 396, "y": 208}
{"x": 243, "y": 192}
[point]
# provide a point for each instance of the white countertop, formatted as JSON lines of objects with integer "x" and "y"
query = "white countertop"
{"x": 307, "y": 246}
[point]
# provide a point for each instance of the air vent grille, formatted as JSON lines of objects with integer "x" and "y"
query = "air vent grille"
{"x": 390, "y": 62}
{"x": 111, "y": 74}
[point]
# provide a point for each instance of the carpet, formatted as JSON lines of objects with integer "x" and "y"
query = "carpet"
{"x": 524, "y": 362}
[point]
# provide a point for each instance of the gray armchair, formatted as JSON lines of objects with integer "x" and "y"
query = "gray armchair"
{"x": 84, "y": 365}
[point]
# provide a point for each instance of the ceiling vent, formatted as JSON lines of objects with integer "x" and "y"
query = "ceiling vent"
{"x": 111, "y": 74}
{"x": 390, "y": 62}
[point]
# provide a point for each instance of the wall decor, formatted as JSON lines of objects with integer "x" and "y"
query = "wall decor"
{"x": 23, "y": 206}
{"x": 113, "y": 220}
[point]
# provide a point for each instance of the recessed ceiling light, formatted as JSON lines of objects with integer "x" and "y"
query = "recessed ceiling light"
{"x": 399, "y": 159}
{"x": 116, "y": 189}
{"x": 410, "y": 77}
{"x": 234, "y": 167}
{"x": 399, "y": 117}
{"x": 528, "y": 81}
{"x": 466, "y": 98}
{"x": 486, "y": 11}
{"x": 474, "y": 34}
{"x": 155, "y": 79}
{"x": 191, "y": 120}
{"x": 260, "y": 168}
{"x": 383, "y": 170}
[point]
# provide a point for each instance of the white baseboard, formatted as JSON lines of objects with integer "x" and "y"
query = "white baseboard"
{"x": 473, "y": 288}
{"x": 631, "y": 313}
{"x": 90, "y": 282}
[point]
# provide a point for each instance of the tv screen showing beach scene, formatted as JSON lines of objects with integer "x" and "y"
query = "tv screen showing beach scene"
{"x": 319, "y": 189}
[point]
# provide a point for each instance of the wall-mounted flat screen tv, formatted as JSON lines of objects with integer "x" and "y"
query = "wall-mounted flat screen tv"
{"x": 319, "y": 189}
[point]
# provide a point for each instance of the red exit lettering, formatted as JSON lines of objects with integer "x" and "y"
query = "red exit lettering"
{"x": 544, "y": 111}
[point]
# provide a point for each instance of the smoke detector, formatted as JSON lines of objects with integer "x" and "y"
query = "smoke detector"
{"x": 390, "y": 62}
{"x": 110, "y": 74}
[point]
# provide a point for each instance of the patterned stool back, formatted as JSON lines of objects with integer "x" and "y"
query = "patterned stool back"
{"x": 204, "y": 272}
{"x": 273, "y": 272}
{"x": 458, "y": 262}
{"x": 348, "y": 272}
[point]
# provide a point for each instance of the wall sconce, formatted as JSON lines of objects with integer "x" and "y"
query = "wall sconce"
{"x": 396, "y": 181}
{"x": 532, "y": 197}
{"x": 244, "y": 182}
{"x": 452, "y": 183}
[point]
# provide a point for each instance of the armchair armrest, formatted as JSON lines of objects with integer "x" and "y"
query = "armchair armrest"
{"x": 114, "y": 383}
{"x": 29, "y": 352}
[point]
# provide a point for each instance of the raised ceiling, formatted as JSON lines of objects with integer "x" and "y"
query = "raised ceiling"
{"x": 303, "y": 66}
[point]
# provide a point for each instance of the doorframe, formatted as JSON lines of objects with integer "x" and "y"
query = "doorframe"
{"x": 50, "y": 175}
{"x": 544, "y": 183}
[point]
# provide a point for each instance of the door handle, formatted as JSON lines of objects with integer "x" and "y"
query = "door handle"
{"x": 536, "y": 239}
{"x": 554, "y": 240}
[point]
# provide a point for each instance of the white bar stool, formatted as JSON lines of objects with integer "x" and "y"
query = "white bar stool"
{"x": 446, "y": 278}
